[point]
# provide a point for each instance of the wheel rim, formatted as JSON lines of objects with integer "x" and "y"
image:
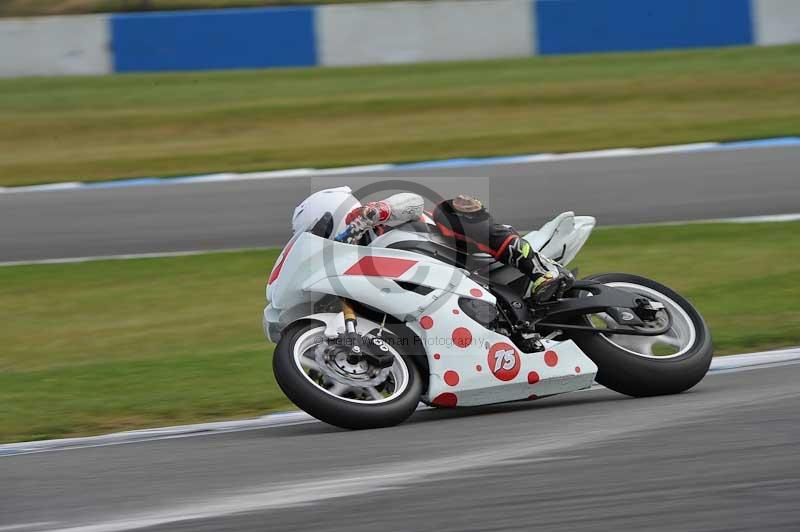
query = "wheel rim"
{"x": 355, "y": 383}
{"x": 677, "y": 341}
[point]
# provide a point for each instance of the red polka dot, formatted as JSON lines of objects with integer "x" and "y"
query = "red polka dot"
{"x": 478, "y": 368}
{"x": 551, "y": 358}
{"x": 577, "y": 369}
{"x": 462, "y": 337}
{"x": 475, "y": 292}
{"x": 426, "y": 322}
{"x": 533, "y": 377}
{"x": 532, "y": 397}
{"x": 451, "y": 378}
{"x": 446, "y": 399}
{"x": 437, "y": 356}
{"x": 456, "y": 311}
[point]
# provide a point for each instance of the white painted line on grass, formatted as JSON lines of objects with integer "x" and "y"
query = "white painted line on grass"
{"x": 764, "y": 218}
{"x": 760, "y": 219}
{"x": 130, "y": 256}
{"x": 764, "y": 358}
{"x": 285, "y": 419}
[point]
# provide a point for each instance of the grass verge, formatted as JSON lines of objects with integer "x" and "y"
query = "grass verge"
{"x": 94, "y": 128}
{"x": 19, "y": 8}
{"x": 112, "y": 345}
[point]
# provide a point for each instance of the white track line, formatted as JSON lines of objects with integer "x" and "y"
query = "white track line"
{"x": 285, "y": 419}
{"x": 26, "y": 526}
{"x": 772, "y": 218}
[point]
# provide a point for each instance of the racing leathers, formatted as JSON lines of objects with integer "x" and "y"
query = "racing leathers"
{"x": 473, "y": 229}
{"x": 467, "y": 221}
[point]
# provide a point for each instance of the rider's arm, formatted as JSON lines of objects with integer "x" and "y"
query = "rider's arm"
{"x": 396, "y": 209}
{"x": 399, "y": 208}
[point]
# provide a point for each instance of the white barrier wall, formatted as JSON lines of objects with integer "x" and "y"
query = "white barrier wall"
{"x": 776, "y": 21}
{"x": 55, "y": 46}
{"x": 412, "y": 32}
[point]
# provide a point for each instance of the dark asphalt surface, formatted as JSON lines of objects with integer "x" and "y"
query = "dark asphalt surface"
{"x": 723, "y": 456}
{"x": 683, "y": 186}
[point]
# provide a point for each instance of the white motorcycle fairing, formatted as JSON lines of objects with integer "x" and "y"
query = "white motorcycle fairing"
{"x": 563, "y": 237}
{"x": 494, "y": 371}
{"x": 469, "y": 364}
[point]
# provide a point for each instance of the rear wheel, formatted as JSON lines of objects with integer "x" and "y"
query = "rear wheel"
{"x": 346, "y": 393}
{"x": 649, "y": 365}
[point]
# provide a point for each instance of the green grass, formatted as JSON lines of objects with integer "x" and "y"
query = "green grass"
{"x": 17, "y": 8}
{"x": 103, "y": 346}
{"x": 177, "y": 124}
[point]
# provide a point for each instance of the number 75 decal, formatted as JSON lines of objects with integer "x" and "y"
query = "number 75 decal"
{"x": 504, "y": 361}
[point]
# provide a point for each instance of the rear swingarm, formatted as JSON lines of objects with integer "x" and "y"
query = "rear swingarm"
{"x": 627, "y": 308}
{"x": 595, "y": 330}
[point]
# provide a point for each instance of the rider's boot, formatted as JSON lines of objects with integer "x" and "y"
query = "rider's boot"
{"x": 548, "y": 278}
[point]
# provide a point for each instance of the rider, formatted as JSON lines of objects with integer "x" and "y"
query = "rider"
{"x": 464, "y": 219}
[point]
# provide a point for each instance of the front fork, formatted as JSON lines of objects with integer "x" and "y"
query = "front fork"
{"x": 350, "y": 326}
{"x": 373, "y": 349}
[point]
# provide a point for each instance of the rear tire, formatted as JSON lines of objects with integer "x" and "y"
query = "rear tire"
{"x": 642, "y": 375}
{"x": 339, "y": 411}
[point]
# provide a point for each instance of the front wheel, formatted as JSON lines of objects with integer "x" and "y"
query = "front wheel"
{"x": 643, "y": 366}
{"x": 345, "y": 393}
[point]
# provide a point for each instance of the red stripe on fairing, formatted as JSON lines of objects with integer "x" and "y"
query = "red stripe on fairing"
{"x": 380, "y": 267}
{"x": 278, "y": 267}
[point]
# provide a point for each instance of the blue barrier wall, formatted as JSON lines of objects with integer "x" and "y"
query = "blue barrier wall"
{"x": 577, "y": 26}
{"x": 214, "y": 39}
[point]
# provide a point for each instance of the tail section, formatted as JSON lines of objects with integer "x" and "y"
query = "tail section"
{"x": 562, "y": 237}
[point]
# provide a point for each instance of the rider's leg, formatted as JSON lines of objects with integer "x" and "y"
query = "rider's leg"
{"x": 478, "y": 230}
{"x": 547, "y": 276}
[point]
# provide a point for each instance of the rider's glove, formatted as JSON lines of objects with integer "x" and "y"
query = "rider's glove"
{"x": 360, "y": 225}
{"x": 370, "y": 214}
{"x": 396, "y": 209}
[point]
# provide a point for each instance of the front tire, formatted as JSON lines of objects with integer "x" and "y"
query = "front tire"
{"x": 324, "y": 393}
{"x": 630, "y": 366}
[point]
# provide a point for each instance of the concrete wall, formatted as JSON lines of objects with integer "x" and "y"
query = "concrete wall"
{"x": 776, "y": 21}
{"x": 55, "y": 46}
{"x": 401, "y": 32}
{"x": 412, "y": 32}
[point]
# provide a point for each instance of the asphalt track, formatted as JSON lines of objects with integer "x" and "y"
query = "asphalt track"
{"x": 256, "y": 213}
{"x": 720, "y": 457}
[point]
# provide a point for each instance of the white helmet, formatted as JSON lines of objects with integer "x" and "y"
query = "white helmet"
{"x": 337, "y": 201}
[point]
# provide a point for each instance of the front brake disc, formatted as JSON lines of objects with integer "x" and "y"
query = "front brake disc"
{"x": 324, "y": 355}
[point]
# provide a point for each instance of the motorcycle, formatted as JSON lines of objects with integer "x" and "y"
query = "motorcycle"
{"x": 364, "y": 333}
